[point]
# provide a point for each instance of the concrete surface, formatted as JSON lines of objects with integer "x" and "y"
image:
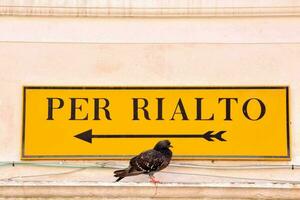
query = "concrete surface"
{"x": 100, "y": 198}
{"x": 136, "y": 8}
{"x": 150, "y": 191}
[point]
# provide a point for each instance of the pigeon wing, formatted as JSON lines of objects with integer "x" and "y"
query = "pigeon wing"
{"x": 148, "y": 161}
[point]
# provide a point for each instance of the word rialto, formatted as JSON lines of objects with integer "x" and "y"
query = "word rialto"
{"x": 141, "y": 111}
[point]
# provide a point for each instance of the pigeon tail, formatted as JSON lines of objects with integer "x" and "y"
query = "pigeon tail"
{"x": 121, "y": 174}
{"x": 126, "y": 172}
{"x": 120, "y": 178}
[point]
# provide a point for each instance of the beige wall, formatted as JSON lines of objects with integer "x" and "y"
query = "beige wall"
{"x": 200, "y": 51}
{"x": 54, "y": 51}
{"x": 151, "y": 30}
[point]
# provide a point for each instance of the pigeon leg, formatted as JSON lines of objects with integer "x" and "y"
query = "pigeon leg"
{"x": 153, "y": 179}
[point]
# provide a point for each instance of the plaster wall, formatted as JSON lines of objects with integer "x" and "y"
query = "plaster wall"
{"x": 140, "y": 51}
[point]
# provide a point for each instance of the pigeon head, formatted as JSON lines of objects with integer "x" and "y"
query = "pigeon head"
{"x": 164, "y": 144}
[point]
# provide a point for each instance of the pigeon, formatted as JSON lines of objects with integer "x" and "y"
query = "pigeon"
{"x": 148, "y": 162}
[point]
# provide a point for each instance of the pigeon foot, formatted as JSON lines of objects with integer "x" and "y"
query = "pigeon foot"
{"x": 154, "y": 180}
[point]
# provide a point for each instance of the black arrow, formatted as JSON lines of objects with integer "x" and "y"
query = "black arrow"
{"x": 88, "y": 136}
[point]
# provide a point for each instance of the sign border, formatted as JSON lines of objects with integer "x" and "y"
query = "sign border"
{"x": 190, "y": 157}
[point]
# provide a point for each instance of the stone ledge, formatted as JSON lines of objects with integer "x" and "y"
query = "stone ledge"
{"x": 148, "y": 190}
{"x": 129, "y": 8}
{"x": 146, "y": 12}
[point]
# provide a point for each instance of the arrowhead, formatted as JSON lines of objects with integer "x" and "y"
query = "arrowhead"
{"x": 85, "y": 136}
{"x": 208, "y": 136}
{"x": 219, "y": 135}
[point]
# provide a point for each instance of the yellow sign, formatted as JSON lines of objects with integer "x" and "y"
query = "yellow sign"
{"x": 119, "y": 122}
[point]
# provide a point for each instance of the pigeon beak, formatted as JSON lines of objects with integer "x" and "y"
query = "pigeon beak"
{"x": 171, "y": 146}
